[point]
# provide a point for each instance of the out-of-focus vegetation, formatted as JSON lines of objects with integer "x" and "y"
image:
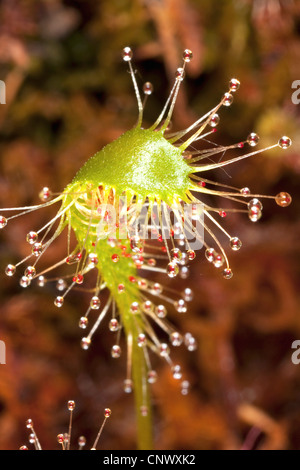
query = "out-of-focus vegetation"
{"x": 68, "y": 94}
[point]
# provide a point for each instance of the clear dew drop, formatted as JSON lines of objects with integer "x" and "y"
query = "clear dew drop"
{"x": 164, "y": 350}
{"x": 180, "y": 306}
{"x": 283, "y": 199}
{"x": 245, "y": 191}
{"x": 116, "y": 351}
{"x": 23, "y": 448}
{"x": 107, "y": 412}
{"x": 32, "y": 438}
{"x": 196, "y": 210}
{"x": 59, "y": 301}
{"x": 254, "y": 214}
{"x": 187, "y": 294}
{"x": 218, "y": 260}
{"x": 45, "y": 194}
{"x": 235, "y": 243}
{"x": 214, "y": 120}
{"x": 10, "y": 270}
{"x": 78, "y": 278}
{"x": 136, "y": 244}
{"x": 177, "y": 228}
{"x": 156, "y": 288}
{"x": 128, "y": 386}
{"x": 71, "y": 405}
{"x": 24, "y": 281}
{"x": 71, "y": 259}
{"x": 210, "y": 254}
{"x": 187, "y": 55}
{"x": 143, "y": 284}
{"x": 184, "y": 272}
{"x": 255, "y": 203}
{"x": 181, "y": 238}
{"x": 190, "y": 342}
{"x": 227, "y": 99}
{"x": 176, "y": 371}
{"x": 61, "y": 285}
{"x": 115, "y": 258}
{"x": 176, "y": 255}
{"x": 81, "y": 441}
{"x": 31, "y": 237}
{"x": 172, "y": 269}
{"x": 176, "y": 338}
{"x": 185, "y": 386}
{"x": 41, "y": 281}
{"x": 227, "y": 273}
{"x": 30, "y": 272}
{"x": 285, "y": 142}
{"x": 191, "y": 254}
{"x": 83, "y": 323}
{"x": 135, "y": 307}
{"x": 138, "y": 261}
{"x": 179, "y": 74}
{"x": 151, "y": 262}
{"x": 95, "y": 302}
{"x": 252, "y": 139}
{"x": 152, "y": 376}
{"x": 121, "y": 288}
{"x": 92, "y": 260}
{"x": 29, "y": 424}
{"x": 127, "y": 54}
{"x": 161, "y": 311}
{"x": 85, "y": 343}
{"x": 254, "y": 210}
{"x": 148, "y": 306}
{"x": 37, "y": 249}
{"x": 3, "y": 221}
{"x": 184, "y": 259}
{"x": 141, "y": 340}
{"x": 234, "y": 85}
{"x": 148, "y": 88}
{"x": 113, "y": 325}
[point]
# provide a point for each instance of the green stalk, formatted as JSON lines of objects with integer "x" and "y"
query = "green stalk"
{"x": 142, "y": 399}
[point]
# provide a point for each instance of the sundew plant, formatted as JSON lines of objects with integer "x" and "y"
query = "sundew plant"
{"x": 65, "y": 439}
{"x": 135, "y": 207}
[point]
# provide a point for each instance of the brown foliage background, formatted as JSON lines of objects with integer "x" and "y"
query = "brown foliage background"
{"x": 68, "y": 94}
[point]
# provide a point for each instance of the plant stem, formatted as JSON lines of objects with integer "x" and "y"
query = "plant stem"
{"x": 142, "y": 399}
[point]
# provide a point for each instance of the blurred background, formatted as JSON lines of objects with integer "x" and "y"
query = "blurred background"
{"x": 68, "y": 93}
